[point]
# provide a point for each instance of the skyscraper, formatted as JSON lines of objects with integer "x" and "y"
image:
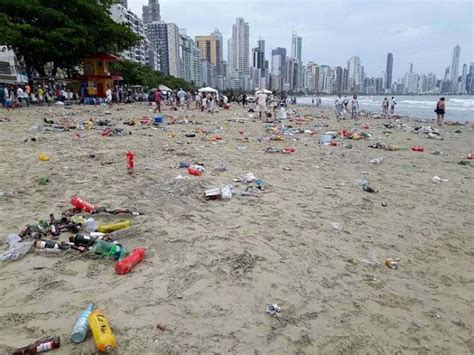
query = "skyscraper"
{"x": 389, "y": 71}
{"x": 151, "y": 12}
{"x": 338, "y": 79}
{"x": 165, "y": 36}
{"x": 240, "y": 49}
{"x": 144, "y": 52}
{"x": 471, "y": 79}
{"x": 296, "y": 53}
{"x": 463, "y": 83}
{"x": 212, "y": 48}
{"x": 278, "y": 68}
{"x": 296, "y": 46}
{"x": 355, "y": 74}
{"x": 455, "y": 68}
{"x": 190, "y": 59}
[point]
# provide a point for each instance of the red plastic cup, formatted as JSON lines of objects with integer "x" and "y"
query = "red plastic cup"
{"x": 126, "y": 265}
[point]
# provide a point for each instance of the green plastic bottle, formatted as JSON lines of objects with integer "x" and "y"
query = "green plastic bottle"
{"x": 109, "y": 249}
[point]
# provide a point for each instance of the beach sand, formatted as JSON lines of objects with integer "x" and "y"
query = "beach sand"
{"x": 213, "y": 267}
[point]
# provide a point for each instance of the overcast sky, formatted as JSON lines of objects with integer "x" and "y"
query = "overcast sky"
{"x": 422, "y": 32}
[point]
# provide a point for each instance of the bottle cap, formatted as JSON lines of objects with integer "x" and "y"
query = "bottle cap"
{"x": 109, "y": 349}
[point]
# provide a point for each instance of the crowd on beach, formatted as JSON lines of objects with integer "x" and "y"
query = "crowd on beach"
{"x": 15, "y": 96}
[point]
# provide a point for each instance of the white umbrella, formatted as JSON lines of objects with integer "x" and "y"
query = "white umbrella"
{"x": 208, "y": 89}
{"x": 265, "y": 91}
{"x": 164, "y": 88}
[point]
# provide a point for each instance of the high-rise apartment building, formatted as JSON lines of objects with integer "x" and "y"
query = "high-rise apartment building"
{"x": 389, "y": 71}
{"x": 190, "y": 59}
{"x": 240, "y": 49}
{"x": 165, "y": 36}
{"x": 470, "y": 89}
{"x": 211, "y": 47}
{"x": 338, "y": 71}
{"x": 355, "y": 74}
{"x": 296, "y": 53}
{"x": 455, "y": 68}
{"x": 278, "y": 70}
{"x": 151, "y": 12}
{"x": 144, "y": 52}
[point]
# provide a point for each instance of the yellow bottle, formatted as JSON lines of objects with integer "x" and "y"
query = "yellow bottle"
{"x": 104, "y": 339}
{"x": 107, "y": 228}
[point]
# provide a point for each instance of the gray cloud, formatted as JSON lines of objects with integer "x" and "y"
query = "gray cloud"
{"x": 418, "y": 32}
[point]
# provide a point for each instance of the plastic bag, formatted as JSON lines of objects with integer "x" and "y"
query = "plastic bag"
{"x": 16, "y": 248}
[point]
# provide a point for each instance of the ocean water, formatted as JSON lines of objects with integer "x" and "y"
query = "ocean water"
{"x": 458, "y": 108}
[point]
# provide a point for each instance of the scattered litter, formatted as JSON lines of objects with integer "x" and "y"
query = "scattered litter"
{"x": 392, "y": 263}
{"x": 273, "y": 309}
{"x": 437, "y": 179}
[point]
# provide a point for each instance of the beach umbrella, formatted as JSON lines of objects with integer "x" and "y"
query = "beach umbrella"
{"x": 208, "y": 89}
{"x": 265, "y": 91}
{"x": 164, "y": 88}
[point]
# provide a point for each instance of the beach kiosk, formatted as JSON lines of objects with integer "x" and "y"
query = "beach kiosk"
{"x": 98, "y": 76}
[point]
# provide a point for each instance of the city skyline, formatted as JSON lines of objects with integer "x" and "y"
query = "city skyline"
{"x": 320, "y": 45}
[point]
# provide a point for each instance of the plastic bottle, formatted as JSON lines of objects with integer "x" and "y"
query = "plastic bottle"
{"x": 127, "y": 264}
{"x": 109, "y": 249}
{"x": 79, "y": 332}
{"x": 82, "y": 205}
{"x": 104, "y": 339}
{"x": 91, "y": 225}
{"x": 40, "y": 346}
{"x": 48, "y": 244}
{"x": 107, "y": 228}
{"x": 130, "y": 162}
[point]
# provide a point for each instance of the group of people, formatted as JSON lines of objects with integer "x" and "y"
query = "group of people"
{"x": 203, "y": 101}
{"x": 342, "y": 106}
{"x": 386, "y": 104}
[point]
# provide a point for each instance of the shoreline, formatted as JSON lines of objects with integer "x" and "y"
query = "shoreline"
{"x": 377, "y": 115}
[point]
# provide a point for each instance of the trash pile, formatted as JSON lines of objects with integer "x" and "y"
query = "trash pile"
{"x": 429, "y": 132}
{"x": 85, "y": 236}
{"x": 251, "y": 186}
{"x": 99, "y": 239}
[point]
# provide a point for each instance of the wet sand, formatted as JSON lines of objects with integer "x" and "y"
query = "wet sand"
{"x": 213, "y": 267}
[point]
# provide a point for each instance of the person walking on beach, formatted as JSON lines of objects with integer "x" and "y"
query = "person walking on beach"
{"x": 158, "y": 100}
{"x": 108, "y": 96}
{"x": 385, "y": 105}
{"x": 181, "y": 97}
{"x": 354, "y": 106}
{"x": 392, "y": 105}
{"x": 262, "y": 103}
{"x": 440, "y": 110}
{"x": 338, "y": 105}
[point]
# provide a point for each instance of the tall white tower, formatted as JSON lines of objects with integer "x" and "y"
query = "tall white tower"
{"x": 240, "y": 48}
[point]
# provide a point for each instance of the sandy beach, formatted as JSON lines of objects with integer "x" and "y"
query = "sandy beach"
{"x": 312, "y": 242}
